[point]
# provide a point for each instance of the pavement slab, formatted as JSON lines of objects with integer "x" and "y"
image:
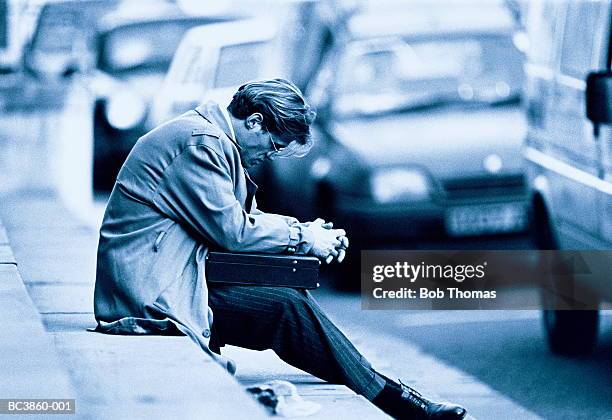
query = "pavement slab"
{"x": 6, "y": 255}
{"x": 4, "y": 239}
{"x": 26, "y": 351}
{"x": 62, "y": 298}
{"x": 134, "y": 377}
{"x": 58, "y": 322}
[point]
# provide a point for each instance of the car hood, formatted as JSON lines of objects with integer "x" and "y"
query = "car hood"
{"x": 443, "y": 142}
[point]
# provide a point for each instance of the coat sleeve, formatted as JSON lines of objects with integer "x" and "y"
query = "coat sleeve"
{"x": 197, "y": 191}
{"x": 288, "y": 219}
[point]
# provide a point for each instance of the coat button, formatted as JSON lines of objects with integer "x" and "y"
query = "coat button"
{"x": 206, "y": 333}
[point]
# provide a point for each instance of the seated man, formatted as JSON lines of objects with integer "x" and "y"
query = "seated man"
{"x": 184, "y": 188}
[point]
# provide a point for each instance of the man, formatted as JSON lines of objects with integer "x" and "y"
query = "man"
{"x": 183, "y": 189}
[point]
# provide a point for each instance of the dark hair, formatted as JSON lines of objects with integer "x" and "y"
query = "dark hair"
{"x": 282, "y": 105}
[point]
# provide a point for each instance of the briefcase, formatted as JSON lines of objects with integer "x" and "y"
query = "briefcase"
{"x": 279, "y": 270}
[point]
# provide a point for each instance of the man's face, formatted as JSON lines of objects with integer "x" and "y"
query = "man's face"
{"x": 256, "y": 143}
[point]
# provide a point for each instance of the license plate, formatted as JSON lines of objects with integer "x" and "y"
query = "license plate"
{"x": 485, "y": 219}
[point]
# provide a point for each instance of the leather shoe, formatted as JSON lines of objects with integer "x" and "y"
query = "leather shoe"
{"x": 402, "y": 402}
{"x": 424, "y": 408}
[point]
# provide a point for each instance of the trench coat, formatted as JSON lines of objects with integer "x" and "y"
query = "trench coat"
{"x": 181, "y": 191}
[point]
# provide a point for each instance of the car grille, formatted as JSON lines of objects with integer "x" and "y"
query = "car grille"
{"x": 484, "y": 187}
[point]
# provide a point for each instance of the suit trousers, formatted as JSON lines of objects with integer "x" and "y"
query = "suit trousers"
{"x": 290, "y": 322}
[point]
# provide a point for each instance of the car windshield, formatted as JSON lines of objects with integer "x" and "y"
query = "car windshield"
{"x": 143, "y": 46}
{"x": 385, "y": 75}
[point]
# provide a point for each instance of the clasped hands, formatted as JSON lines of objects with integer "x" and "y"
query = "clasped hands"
{"x": 329, "y": 243}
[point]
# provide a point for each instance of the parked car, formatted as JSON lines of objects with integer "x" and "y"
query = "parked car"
{"x": 280, "y": 39}
{"x": 569, "y": 164}
{"x": 418, "y": 133}
{"x": 212, "y": 61}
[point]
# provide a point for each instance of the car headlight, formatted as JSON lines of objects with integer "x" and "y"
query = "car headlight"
{"x": 398, "y": 184}
{"x": 125, "y": 110}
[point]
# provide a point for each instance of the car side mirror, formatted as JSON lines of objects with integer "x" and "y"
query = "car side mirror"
{"x": 599, "y": 98}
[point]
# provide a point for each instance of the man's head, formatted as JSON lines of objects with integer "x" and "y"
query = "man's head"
{"x": 271, "y": 119}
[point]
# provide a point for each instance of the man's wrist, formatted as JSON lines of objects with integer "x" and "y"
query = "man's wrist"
{"x": 301, "y": 239}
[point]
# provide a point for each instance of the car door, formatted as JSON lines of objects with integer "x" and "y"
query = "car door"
{"x": 605, "y": 142}
{"x": 571, "y": 142}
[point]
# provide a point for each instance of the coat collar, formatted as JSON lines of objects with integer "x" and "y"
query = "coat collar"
{"x": 213, "y": 113}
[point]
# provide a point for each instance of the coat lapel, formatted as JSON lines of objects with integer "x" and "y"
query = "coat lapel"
{"x": 212, "y": 112}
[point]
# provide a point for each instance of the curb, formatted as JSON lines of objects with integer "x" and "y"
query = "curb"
{"x": 26, "y": 349}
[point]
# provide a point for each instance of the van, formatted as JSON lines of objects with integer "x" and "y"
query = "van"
{"x": 568, "y": 147}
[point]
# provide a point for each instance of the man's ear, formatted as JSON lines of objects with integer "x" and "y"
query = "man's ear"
{"x": 254, "y": 121}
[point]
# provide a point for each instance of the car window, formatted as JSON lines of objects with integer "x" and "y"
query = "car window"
{"x": 59, "y": 34}
{"x": 389, "y": 67}
{"x": 581, "y": 23}
{"x": 239, "y": 63}
{"x": 398, "y": 74}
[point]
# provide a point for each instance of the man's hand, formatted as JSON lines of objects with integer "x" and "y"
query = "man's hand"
{"x": 329, "y": 242}
{"x": 344, "y": 243}
{"x": 320, "y": 222}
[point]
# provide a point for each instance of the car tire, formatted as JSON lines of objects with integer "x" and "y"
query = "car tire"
{"x": 542, "y": 234}
{"x": 102, "y": 162}
{"x": 571, "y": 333}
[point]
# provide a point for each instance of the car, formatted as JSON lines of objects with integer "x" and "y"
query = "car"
{"x": 212, "y": 61}
{"x": 279, "y": 39}
{"x": 569, "y": 165}
{"x": 419, "y": 130}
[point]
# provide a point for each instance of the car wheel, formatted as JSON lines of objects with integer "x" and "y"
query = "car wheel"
{"x": 571, "y": 333}
{"x": 102, "y": 167}
{"x": 542, "y": 234}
